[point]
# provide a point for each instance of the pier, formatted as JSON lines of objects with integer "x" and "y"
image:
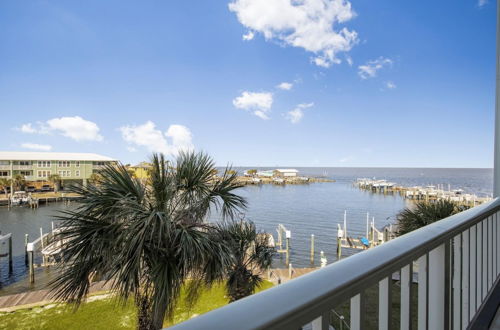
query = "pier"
{"x": 419, "y": 193}
{"x": 38, "y": 199}
{"x": 373, "y": 236}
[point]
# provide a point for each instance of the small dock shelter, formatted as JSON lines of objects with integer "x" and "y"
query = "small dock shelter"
{"x": 286, "y": 173}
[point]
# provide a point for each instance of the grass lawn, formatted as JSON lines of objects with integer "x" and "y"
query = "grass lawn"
{"x": 105, "y": 313}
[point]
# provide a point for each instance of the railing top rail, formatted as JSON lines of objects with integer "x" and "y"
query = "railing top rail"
{"x": 298, "y": 302}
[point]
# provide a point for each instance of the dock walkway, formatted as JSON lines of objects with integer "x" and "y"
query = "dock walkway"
{"x": 283, "y": 274}
{"x": 32, "y": 298}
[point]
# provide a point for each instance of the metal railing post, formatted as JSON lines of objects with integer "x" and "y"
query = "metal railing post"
{"x": 358, "y": 312}
{"x": 437, "y": 287}
{"x": 385, "y": 304}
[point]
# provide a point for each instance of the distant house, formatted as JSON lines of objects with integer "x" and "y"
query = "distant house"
{"x": 39, "y": 166}
{"x": 141, "y": 170}
{"x": 266, "y": 174}
{"x": 286, "y": 173}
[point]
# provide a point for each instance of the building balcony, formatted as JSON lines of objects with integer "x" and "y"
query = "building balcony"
{"x": 446, "y": 275}
{"x": 22, "y": 167}
{"x": 4, "y": 167}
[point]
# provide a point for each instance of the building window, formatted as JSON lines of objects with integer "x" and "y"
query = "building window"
{"x": 24, "y": 163}
{"x": 4, "y": 173}
{"x": 77, "y": 163}
{"x": 63, "y": 163}
{"x": 43, "y": 174}
{"x": 99, "y": 163}
{"x": 64, "y": 174}
{"x": 77, "y": 173}
{"x": 25, "y": 173}
{"x": 4, "y": 162}
{"x": 44, "y": 163}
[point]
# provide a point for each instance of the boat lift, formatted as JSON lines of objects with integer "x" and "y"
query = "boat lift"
{"x": 373, "y": 237}
{"x": 282, "y": 231}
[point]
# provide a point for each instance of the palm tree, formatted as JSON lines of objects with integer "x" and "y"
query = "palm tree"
{"x": 94, "y": 178}
{"x": 148, "y": 238}
{"x": 5, "y": 184}
{"x": 55, "y": 179}
{"x": 18, "y": 181}
{"x": 252, "y": 254}
{"x": 425, "y": 213}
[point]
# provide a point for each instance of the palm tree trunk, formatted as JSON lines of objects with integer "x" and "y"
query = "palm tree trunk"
{"x": 144, "y": 319}
{"x": 158, "y": 314}
{"x": 150, "y": 315}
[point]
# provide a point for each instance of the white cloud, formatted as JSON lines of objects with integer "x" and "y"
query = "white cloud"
{"x": 35, "y": 146}
{"x": 369, "y": 70}
{"x": 286, "y": 86}
{"x": 390, "y": 85}
{"x": 181, "y": 136}
{"x": 75, "y": 128}
{"x": 481, "y": 3}
{"x": 258, "y": 103}
{"x": 349, "y": 60}
{"x": 28, "y": 128}
{"x": 308, "y": 24}
{"x": 297, "y": 114}
{"x": 147, "y": 135}
{"x": 261, "y": 114}
{"x": 248, "y": 36}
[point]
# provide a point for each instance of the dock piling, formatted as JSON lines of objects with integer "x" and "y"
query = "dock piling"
{"x": 26, "y": 238}
{"x": 43, "y": 245}
{"x": 11, "y": 267}
{"x": 287, "y": 260}
{"x": 312, "y": 249}
{"x": 31, "y": 267}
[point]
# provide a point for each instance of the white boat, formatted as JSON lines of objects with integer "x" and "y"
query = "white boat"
{"x": 19, "y": 198}
{"x": 278, "y": 180}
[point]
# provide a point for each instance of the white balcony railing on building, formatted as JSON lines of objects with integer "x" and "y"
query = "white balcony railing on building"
{"x": 4, "y": 167}
{"x": 458, "y": 264}
{"x": 22, "y": 167}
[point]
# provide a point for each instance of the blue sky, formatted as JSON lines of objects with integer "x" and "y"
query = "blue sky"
{"x": 126, "y": 78}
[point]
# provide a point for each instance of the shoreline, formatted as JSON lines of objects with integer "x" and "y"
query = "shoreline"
{"x": 248, "y": 180}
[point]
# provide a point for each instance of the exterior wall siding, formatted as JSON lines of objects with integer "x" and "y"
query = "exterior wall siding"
{"x": 85, "y": 168}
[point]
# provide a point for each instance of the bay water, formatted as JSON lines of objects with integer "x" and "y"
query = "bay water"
{"x": 315, "y": 208}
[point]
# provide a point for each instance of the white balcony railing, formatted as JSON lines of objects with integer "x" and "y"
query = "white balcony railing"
{"x": 22, "y": 167}
{"x": 458, "y": 262}
{"x": 4, "y": 167}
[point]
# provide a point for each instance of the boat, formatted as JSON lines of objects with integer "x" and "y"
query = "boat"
{"x": 278, "y": 180}
{"x": 19, "y": 198}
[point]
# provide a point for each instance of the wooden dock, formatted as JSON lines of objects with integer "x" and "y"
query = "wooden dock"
{"x": 418, "y": 193}
{"x": 41, "y": 199}
{"x": 40, "y": 297}
{"x": 281, "y": 275}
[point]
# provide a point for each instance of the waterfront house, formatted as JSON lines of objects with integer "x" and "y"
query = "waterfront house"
{"x": 286, "y": 173}
{"x": 39, "y": 166}
{"x": 141, "y": 170}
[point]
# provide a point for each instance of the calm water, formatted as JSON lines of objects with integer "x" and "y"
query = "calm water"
{"x": 304, "y": 209}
